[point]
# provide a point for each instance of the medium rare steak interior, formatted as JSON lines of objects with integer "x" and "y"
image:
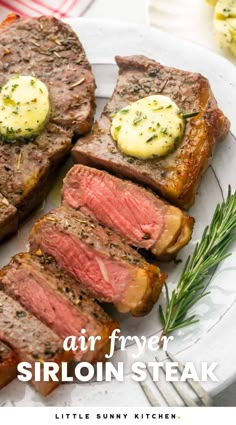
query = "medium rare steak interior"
{"x": 30, "y": 339}
{"x": 100, "y": 259}
{"x": 55, "y": 298}
{"x": 8, "y": 365}
{"x": 48, "y": 49}
{"x": 132, "y": 211}
{"x": 177, "y": 175}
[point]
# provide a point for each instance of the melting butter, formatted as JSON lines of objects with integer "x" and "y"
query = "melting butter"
{"x": 24, "y": 107}
{"x": 225, "y": 24}
{"x": 148, "y": 128}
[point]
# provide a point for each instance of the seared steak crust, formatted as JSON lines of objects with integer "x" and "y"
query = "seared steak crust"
{"x": 60, "y": 302}
{"x": 100, "y": 259}
{"x": 26, "y": 170}
{"x": 48, "y": 49}
{"x": 30, "y": 339}
{"x": 8, "y": 218}
{"x": 8, "y": 365}
{"x": 175, "y": 177}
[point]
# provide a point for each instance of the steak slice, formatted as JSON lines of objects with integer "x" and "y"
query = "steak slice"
{"x": 55, "y": 298}
{"x": 48, "y": 49}
{"x": 30, "y": 339}
{"x": 8, "y": 218}
{"x": 100, "y": 259}
{"x": 132, "y": 211}
{"x": 8, "y": 365}
{"x": 176, "y": 176}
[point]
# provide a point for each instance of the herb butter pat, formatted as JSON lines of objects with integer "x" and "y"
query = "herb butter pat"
{"x": 24, "y": 107}
{"x": 148, "y": 128}
{"x": 225, "y": 24}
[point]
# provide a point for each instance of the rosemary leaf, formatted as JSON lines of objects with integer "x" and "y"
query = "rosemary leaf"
{"x": 208, "y": 253}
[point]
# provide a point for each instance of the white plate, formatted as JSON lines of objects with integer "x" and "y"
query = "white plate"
{"x": 212, "y": 339}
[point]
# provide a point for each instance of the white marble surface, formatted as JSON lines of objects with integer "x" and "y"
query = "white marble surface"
{"x": 200, "y": 31}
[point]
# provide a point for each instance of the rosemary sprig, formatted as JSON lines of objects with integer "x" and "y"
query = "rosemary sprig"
{"x": 208, "y": 253}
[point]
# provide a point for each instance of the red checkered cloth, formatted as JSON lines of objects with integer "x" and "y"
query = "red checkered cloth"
{"x": 57, "y": 8}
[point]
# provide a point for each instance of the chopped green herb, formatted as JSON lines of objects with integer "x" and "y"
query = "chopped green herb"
{"x": 151, "y": 138}
{"x": 189, "y": 115}
{"x": 10, "y": 130}
{"x": 14, "y": 86}
{"x": 138, "y": 119}
{"x": 164, "y": 131}
{"x": 158, "y": 109}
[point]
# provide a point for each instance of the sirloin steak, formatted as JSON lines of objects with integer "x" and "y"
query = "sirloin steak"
{"x": 8, "y": 365}
{"x": 30, "y": 339}
{"x": 132, "y": 211}
{"x": 100, "y": 259}
{"x": 176, "y": 176}
{"x": 48, "y": 49}
{"x": 37, "y": 282}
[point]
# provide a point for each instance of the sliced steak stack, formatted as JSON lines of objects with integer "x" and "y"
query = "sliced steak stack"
{"x": 137, "y": 214}
{"x": 8, "y": 364}
{"x": 53, "y": 296}
{"x": 176, "y": 176}
{"x": 49, "y": 50}
{"x": 100, "y": 259}
{"x": 30, "y": 339}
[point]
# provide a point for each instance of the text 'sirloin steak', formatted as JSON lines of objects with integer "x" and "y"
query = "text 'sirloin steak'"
{"x": 100, "y": 259}
{"x": 48, "y": 49}
{"x": 30, "y": 339}
{"x": 55, "y": 298}
{"x": 132, "y": 211}
{"x": 8, "y": 365}
{"x": 176, "y": 176}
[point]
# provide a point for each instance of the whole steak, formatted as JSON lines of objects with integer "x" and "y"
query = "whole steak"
{"x": 48, "y": 49}
{"x": 176, "y": 176}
